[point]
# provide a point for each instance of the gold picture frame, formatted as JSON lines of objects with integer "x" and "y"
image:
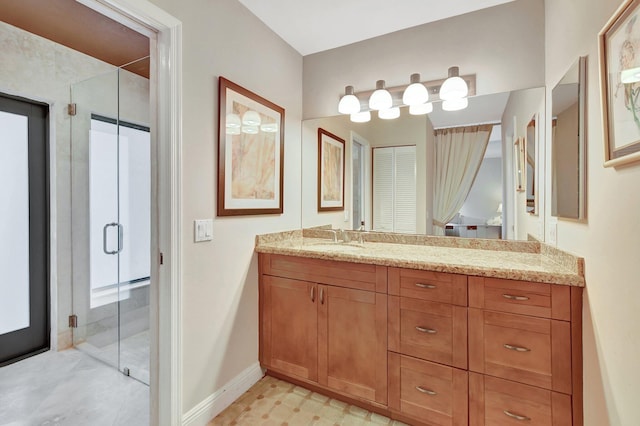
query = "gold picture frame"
{"x": 250, "y": 152}
{"x": 620, "y": 84}
{"x": 331, "y": 163}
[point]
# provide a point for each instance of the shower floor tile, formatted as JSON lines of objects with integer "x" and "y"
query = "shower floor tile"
{"x": 70, "y": 388}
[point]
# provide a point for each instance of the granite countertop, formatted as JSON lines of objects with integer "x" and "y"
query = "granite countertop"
{"x": 522, "y": 260}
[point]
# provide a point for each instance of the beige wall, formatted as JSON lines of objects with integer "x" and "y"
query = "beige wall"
{"x": 609, "y": 241}
{"x": 220, "y": 278}
{"x": 502, "y": 45}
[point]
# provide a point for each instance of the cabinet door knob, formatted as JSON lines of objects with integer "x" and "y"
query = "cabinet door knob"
{"x": 429, "y": 286}
{"x": 425, "y": 390}
{"x": 512, "y": 297}
{"x": 426, "y": 330}
{"x": 313, "y": 294}
{"x": 516, "y": 348}
{"x": 516, "y": 416}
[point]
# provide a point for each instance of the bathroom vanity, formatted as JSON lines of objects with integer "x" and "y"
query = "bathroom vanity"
{"x": 426, "y": 330}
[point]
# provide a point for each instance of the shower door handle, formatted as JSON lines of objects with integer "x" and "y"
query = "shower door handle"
{"x": 120, "y": 237}
{"x": 104, "y": 238}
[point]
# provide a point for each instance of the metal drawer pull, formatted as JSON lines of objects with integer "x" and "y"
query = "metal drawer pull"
{"x": 321, "y": 295}
{"x": 516, "y": 348}
{"x": 512, "y": 297}
{"x": 516, "y": 416}
{"x": 426, "y": 330}
{"x": 425, "y": 390}
{"x": 429, "y": 286}
{"x": 313, "y": 294}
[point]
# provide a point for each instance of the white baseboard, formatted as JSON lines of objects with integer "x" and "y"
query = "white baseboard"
{"x": 215, "y": 403}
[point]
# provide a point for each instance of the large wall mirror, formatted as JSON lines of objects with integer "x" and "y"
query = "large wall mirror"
{"x": 396, "y": 159}
{"x": 568, "y": 189}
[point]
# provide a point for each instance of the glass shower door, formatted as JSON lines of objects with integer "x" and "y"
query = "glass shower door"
{"x": 110, "y": 220}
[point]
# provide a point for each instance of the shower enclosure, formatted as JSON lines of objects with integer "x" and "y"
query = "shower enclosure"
{"x": 110, "y": 218}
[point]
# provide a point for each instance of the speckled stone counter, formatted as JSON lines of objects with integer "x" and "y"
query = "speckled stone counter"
{"x": 518, "y": 260}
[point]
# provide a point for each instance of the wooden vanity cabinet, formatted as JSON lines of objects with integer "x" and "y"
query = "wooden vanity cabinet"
{"x": 427, "y": 348}
{"x": 333, "y": 336}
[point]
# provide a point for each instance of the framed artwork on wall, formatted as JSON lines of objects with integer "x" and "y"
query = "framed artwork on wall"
{"x": 250, "y": 152}
{"x": 619, "y": 41}
{"x": 330, "y": 172}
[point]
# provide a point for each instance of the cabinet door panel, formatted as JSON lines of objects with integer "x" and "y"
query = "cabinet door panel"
{"x": 352, "y": 342}
{"x": 290, "y": 324}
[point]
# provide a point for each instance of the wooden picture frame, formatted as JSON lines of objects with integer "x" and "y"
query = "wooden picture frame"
{"x": 331, "y": 161}
{"x": 620, "y": 84}
{"x": 519, "y": 164}
{"x": 250, "y": 152}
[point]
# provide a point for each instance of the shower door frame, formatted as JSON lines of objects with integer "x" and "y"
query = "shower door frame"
{"x": 166, "y": 125}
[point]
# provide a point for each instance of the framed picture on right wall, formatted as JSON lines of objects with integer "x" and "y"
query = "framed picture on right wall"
{"x": 619, "y": 41}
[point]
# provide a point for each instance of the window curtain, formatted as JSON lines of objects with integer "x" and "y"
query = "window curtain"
{"x": 459, "y": 154}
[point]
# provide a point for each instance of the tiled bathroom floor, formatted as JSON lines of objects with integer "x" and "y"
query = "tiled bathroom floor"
{"x": 70, "y": 388}
{"x": 278, "y": 403}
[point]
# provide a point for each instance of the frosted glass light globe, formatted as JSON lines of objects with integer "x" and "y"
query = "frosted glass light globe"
{"x": 381, "y": 98}
{"x": 415, "y": 93}
{"x": 454, "y": 87}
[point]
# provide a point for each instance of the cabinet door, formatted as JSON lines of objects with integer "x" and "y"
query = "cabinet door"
{"x": 352, "y": 342}
{"x": 290, "y": 327}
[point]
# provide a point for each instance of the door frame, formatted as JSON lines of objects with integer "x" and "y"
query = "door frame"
{"x": 166, "y": 122}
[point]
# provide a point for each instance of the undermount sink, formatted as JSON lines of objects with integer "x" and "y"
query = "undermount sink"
{"x": 335, "y": 246}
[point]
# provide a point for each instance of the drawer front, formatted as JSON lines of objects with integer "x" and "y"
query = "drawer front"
{"x": 428, "y": 330}
{"x": 428, "y": 392}
{"x": 521, "y": 297}
{"x": 358, "y": 276}
{"x": 529, "y": 350}
{"x": 428, "y": 285}
{"x": 497, "y": 402}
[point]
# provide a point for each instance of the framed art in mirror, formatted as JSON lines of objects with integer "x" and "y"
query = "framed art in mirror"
{"x": 250, "y": 152}
{"x": 620, "y": 85}
{"x": 330, "y": 171}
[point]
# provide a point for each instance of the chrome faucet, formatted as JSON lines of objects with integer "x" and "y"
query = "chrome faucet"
{"x": 335, "y": 235}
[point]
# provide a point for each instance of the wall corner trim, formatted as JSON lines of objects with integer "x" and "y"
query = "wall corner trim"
{"x": 215, "y": 403}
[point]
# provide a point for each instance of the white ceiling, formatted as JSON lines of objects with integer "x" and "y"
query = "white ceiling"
{"x": 311, "y": 26}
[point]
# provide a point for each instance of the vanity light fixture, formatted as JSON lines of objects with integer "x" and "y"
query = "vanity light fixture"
{"x": 381, "y": 98}
{"x": 453, "y": 87}
{"x": 418, "y": 95}
{"x": 630, "y": 76}
{"x": 251, "y": 118}
{"x": 389, "y": 113}
{"x": 361, "y": 117}
{"x": 349, "y": 103}
{"x": 415, "y": 93}
{"x": 455, "y": 104}
{"x": 421, "y": 109}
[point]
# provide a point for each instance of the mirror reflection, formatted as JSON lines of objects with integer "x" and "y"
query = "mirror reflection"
{"x": 568, "y": 144}
{"x": 403, "y": 175}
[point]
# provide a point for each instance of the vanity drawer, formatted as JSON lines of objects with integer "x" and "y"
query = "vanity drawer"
{"x": 428, "y": 285}
{"x": 521, "y": 297}
{"x": 498, "y": 402}
{"x": 359, "y": 276}
{"x": 428, "y": 330}
{"x": 535, "y": 351}
{"x": 431, "y": 393}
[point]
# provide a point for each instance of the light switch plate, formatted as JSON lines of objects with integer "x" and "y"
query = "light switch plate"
{"x": 553, "y": 233}
{"x": 203, "y": 230}
{"x": 346, "y": 215}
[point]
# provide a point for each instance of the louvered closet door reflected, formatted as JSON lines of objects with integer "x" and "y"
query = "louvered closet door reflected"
{"x": 394, "y": 189}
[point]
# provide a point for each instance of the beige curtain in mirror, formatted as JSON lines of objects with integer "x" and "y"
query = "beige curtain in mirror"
{"x": 459, "y": 154}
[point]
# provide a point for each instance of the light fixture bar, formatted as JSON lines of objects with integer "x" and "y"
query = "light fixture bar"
{"x": 433, "y": 86}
